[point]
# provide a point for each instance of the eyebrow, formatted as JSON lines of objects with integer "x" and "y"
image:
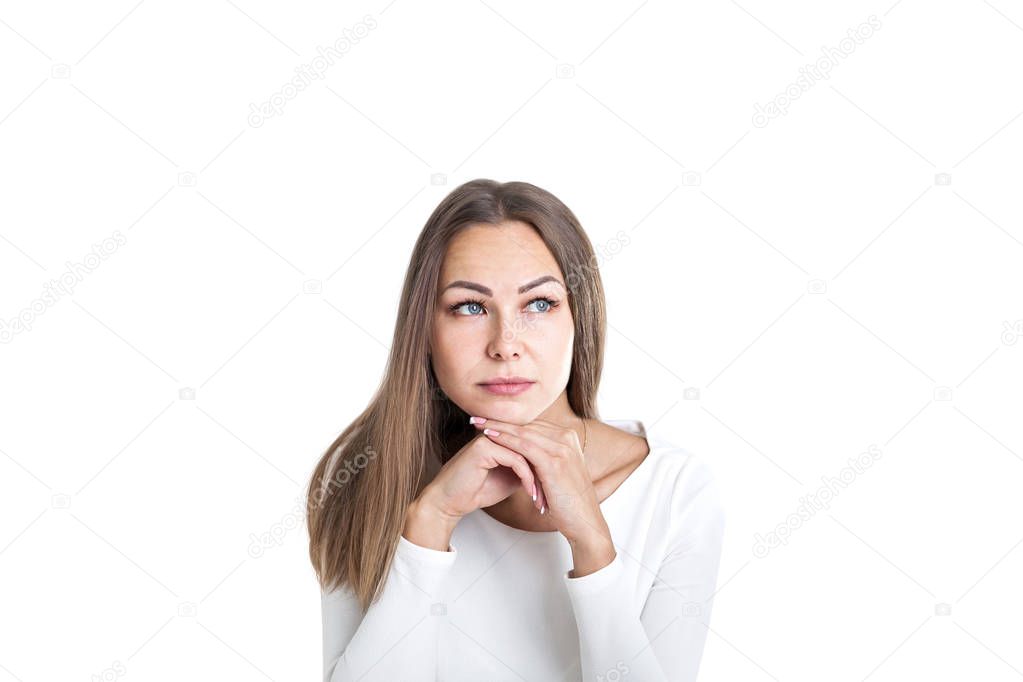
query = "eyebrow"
{"x": 461, "y": 283}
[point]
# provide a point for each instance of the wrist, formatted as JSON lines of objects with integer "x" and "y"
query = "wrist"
{"x": 594, "y": 544}
{"x": 428, "y": 505}
{"x": 591, "y": 554}
{"x": 428, "y": 526}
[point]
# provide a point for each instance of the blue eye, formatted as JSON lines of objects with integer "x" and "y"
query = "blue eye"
{"x": 456, "y": 306}
{"x": 547, "y": 304}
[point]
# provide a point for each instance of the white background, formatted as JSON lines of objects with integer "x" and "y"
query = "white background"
{"x": 817, "y": 283}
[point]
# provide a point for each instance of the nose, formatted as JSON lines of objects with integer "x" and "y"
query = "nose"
{"x": 506, "y": 339}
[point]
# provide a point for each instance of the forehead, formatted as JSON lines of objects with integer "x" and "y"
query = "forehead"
{"x": 499, "y": 256}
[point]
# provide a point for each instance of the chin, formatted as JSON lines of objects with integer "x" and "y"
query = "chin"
{"x": 504, "y": 409}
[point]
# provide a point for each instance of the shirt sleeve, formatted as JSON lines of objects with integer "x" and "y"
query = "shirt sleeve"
{"x": 396, "y": 638}
{"x": 663, "y": 639}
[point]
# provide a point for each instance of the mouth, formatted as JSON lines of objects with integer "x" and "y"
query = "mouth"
{"x": 506, "y": 385}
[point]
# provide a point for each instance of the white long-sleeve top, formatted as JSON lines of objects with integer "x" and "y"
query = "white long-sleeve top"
{"x": 500, "y": 605}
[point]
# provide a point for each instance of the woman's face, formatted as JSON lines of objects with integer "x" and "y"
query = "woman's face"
{"x": 484, "y": 327}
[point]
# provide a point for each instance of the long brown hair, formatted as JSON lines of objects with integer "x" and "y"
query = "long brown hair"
{"x": 363, "y": 484}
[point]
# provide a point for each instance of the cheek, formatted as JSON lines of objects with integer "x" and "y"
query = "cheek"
{"x": 449, "y": 343}
{"x": 567, "y": 348}
{"x": 555, "y": 345}
{"x": 565, "y": 333}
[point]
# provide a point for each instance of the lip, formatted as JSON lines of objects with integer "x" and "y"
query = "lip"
{"x": 507, "y": 380}
{"x": 506, "y": 385}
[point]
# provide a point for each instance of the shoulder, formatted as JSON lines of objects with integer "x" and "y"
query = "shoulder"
{"x": 691, "y": 470}
{"x": 692, "y": 492}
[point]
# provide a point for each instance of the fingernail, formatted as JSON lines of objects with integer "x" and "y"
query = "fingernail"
{"x": 543, "y": 508}
{"x": 534, "y": 492}
{"x": 491, "y": 432}
{"x": 476, "y": 420}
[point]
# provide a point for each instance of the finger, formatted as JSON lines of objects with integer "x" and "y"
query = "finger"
{"x": 541, "y": 496}
{"x": 506, "y": 455}
{"x": 532, "y": 451}
{"x": 519, "y": 465}
{"x": 534, "y": 448}
{"x": 548, "y": 439}
{"x": 529, "y": 443}
{"x": 549, "y": 429}
{"x": 537, "y": 425}
{"x": 541, "y": 501}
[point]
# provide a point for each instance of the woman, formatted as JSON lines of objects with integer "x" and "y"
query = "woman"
{"x": 535, "y": 541}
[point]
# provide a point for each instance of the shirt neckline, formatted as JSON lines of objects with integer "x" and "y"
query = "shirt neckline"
{"x": 634, "y": 426}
